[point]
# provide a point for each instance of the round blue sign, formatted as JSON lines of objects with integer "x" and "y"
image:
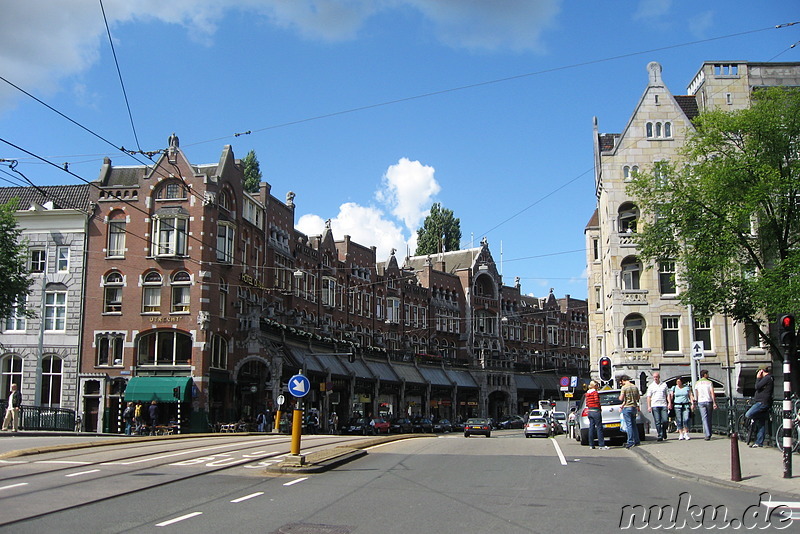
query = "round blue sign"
{"x": 299, "y": 386}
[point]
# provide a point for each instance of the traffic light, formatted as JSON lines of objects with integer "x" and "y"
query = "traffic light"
{"x": 605, "y": 369}
{"x": 786, "y": 331}
{"x": 176, "y": 392}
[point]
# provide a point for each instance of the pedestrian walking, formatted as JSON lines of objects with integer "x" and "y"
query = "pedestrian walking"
{"x": 138, "y": 418}
{"x": 261, "y": 421}
{"x": 706, "y": 401}
{"x": 128, "y": 416}
{"x": 629, "y": 395}
{"x": 12, "y": 411}
{"x": 595, "y": 414}
{"x": 153, "y": 417}
{"x": 682, "y": 401}
{"x": 659, "y": 404}
{"x": 333, "y": 423}
{"x": 762, "y": 403}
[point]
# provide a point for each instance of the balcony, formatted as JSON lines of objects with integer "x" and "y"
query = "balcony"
{"x": 632, "y": 296}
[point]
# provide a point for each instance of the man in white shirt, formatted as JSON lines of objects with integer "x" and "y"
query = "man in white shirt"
{"x": 706, "y": 401}
{"x": 658, "y": 403}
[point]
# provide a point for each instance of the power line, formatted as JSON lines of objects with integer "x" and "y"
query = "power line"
{"x": 119, "y": 73}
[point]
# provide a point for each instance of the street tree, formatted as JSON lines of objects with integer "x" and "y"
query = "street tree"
{"x": 252, "y": 172}
{"x": 728, "y": 212}
{"x": 13, "y": 262}
{"x": 440, "y": 232}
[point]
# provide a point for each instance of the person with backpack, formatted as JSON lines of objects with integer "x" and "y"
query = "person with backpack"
{"x": 127, "y": 416}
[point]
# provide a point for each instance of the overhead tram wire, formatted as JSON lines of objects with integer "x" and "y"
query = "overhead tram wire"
{"x": 488, "y": 82}
{"x": 119, "y": 73}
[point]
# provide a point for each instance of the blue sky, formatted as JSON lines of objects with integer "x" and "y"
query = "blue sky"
{"x": 371, "y": 110}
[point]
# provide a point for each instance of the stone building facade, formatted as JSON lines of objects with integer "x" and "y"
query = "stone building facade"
{"x": 41, "y": 353}
{"x": 635, "y": 317}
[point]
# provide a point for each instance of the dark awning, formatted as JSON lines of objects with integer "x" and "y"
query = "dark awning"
{"x": 526, "y": 382}
{"x": 158, "y": 388}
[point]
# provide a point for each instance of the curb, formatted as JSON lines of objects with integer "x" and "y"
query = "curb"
{"x": 654, "y": 462}
{"x": 327, "y": 459}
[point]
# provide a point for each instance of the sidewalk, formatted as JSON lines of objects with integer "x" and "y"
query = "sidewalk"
{"x": 761, "y": 468}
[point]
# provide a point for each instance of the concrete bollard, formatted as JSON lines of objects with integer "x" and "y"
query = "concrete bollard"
{"x": 736, "y": 466}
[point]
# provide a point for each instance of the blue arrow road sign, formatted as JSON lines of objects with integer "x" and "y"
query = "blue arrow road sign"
{"x": 299, "y": 386}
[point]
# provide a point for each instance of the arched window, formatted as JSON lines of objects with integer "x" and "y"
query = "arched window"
{"x": 164, "y": 347}
{"x": 634, "y": 332}
{"x": 112, "y": 300}
{"x": 108, "y": 347}
{"x": 631, "y": 273}
{"x": 51, "y": 381}
{"x": 181, "y": 290}
{"x": 658, "y": 129}
{"x": 627, "y": 217}
{"x": 151, "y": 292}
{"x": 171, "y": 190}
{"x": 10, "y": 373}
{"x": 667, "y": 129}
{"x": 649, "y": 129}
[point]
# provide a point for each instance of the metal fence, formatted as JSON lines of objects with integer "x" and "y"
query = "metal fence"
{"x": 43, "y": 417}
{"x": 729, "y": 418}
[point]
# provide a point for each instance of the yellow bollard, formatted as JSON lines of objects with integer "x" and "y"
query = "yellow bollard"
{"x": 297, "y": 429}
{"x": 277, "y": 427}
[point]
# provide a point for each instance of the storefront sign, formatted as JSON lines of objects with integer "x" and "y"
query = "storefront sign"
{"x": 249, "y": 280}
{"x": 164, "y": 319}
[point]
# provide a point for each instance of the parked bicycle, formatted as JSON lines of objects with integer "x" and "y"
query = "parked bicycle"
{"x": 795, "y": 431}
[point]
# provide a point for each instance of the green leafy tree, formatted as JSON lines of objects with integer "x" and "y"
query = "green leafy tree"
{"x": 729, "y": 213}
{"x": 440, "y": 222}
{"x": 252, "y": 172}
{"x": 13, "y": 262}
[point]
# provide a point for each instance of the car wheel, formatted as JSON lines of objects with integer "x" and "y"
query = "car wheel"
{"x": 488, "y": 434}
{"x": 584, "y": 436}
{"x": 466, "y": 434}
{"x": 527, "y": 435}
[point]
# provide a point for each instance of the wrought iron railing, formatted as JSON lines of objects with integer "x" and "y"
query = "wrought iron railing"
{"x": 43, "y": 417}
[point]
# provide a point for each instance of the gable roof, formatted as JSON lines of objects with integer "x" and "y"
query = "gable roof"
{"x": 74, "y": 197}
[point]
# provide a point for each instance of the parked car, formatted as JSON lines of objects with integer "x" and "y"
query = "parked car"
{"x": 442, "y": 425}
{"x": 422, "y": 424}
{"x": 611, "y": 407}
{"x": 561, "y": 419}
{"x": 478, "y": 426}
{"x": 358, "y": 426}
{"x": 512, "y": 421}
{"x": 458, "y": 426}
{"x": 380, "y": 425}
{"x": 537, "y": 426}
{"x": 401, "y": 425}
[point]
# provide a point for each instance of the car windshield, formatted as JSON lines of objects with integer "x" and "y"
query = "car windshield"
{"x": 477, "y": 421}
{"x": 560, "y": 416}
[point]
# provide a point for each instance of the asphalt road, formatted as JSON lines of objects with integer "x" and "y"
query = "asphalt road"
{"x": 503, "y": 484}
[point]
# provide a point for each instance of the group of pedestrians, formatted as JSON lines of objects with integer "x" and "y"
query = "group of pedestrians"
{"x": 678, "y": 402}
{"x": 133, "y": 416}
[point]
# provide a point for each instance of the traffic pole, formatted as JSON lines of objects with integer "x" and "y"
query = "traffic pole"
{"x": 297, "y": 427}
{"x": 787, "y": 414}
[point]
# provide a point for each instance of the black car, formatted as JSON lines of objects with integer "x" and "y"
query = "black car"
{"x": 478, "y": 425}
{"x": 359, "y": 426}
{"x": 422, "y": 424}
{"x": 442, "y": 425}
{"x": 513, "y": 421}
{"x": 458, "y": 426}
{"x": 401, "y": 425}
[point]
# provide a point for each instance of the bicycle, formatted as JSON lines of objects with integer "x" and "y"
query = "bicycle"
{"x": 795, "y": 431}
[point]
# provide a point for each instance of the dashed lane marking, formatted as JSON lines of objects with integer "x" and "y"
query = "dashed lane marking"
{"x": 175, "y": 520}
{"x": 292, "y": 482}
{"x": 247, "y": 497}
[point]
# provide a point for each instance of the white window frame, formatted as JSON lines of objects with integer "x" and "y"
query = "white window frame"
{"x": 55, "y": 311}
{"x": 113, "y": 283}
{"x": 37, "y": 260}
{"x": 16, "y": 320}
{"x": 392, "y": 310}
{"x": 117, "y": 230}
{"x": 62, "y": 259}
{"x": 226, "y": 234}
{"x": 52, "y": 381}
{"x": 180, "y": 291}
{"x": 328, "y": 294}
{"x": 170, "y": 235}
{"x": 151, "y": 292}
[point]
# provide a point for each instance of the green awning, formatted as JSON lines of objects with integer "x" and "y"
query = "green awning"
{"x": 158, "y": 388}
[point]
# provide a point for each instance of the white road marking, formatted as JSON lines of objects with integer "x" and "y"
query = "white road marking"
{"x": 181, "y": 518}
{"x": 292, "y": 482}
{"x": 246, "y": 497}
{"x": 13, "y": 486}
{"x": 558, "y": 451}
{"x": 71, "y": 462}
{"x": 153, "y": 458}
{"x": 13, "y": 461}
{"x": 82, "y": 473}
{"x": 791, "y": 509}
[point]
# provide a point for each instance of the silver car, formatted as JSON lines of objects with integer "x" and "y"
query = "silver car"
{"x": 611, "y": 407}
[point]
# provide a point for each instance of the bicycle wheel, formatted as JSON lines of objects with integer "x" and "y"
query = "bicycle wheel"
{"x": 743, "y": 427}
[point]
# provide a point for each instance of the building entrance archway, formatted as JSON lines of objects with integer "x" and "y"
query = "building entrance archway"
{"x": 499, "y": 405}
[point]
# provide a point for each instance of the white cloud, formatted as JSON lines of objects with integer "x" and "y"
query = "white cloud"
{"x": 699, "y": 24}
{"x": 652, "y": 9}
{"x": 41, "y": 44}
{"x": 366, "y": 226}
{"x": 408, "y": 188}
